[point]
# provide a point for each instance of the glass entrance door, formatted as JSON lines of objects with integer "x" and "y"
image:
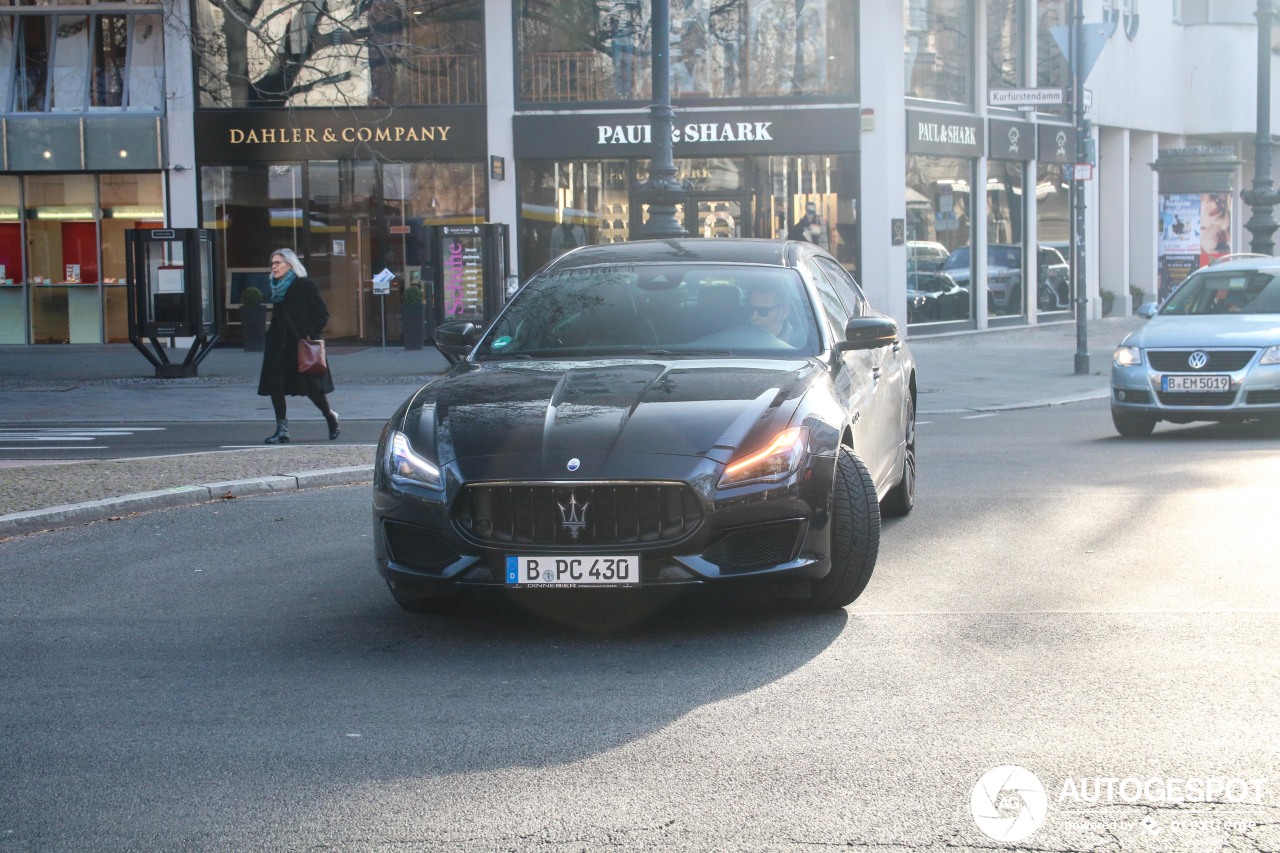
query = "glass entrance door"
{"x": 340, "y": 200}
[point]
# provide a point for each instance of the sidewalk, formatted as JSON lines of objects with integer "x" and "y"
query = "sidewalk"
{"x": 1021, "y": 367}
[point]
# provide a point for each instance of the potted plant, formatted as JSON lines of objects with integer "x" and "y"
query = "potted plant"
{"x": 1136, "y": 296}
{"x": 1108, "y": 300}
{"x": 253, "y": 319}
{"x": 412, "y": 316}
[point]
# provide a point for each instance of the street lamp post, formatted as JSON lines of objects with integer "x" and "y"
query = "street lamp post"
{"x": 662, "y": 191}
{"x": 1261, "y": 197}
{"x": 1077, "y": 193}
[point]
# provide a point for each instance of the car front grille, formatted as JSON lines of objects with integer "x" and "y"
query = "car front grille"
{"x": 420, "y": 548}
{"x": 1205, "y": 398}
{"x": 577, "y": 515}
{"x": 756, "y": 547}
{"x": 1263, "y": 398}
{"x": 1175, "y": 361}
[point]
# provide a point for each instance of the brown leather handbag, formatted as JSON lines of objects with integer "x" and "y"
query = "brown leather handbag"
{"x": 311, "y": 359}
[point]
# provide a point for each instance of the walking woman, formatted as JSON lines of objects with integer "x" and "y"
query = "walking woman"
{"x": 299, "y": 312}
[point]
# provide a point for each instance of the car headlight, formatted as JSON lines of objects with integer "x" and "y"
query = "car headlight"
{"x": 1127, "y": 357}
{"x": 1270, "y": 356}
{"x": 779, "y": 459}
{"x": 405, "y": 467}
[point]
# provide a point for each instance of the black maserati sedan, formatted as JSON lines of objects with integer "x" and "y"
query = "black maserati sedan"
{"x": 655, "y": 413}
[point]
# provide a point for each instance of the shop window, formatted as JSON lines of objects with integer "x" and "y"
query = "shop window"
{"x": 70, "y": 63}
{"x": 719, "y": 49}
{"x": 939, "y": 50}
{"x": 1052, "y": 69}
{"x": 1053, "y": 232}
{"x": 939, "y": 238}
{"x": 1008, "y": 262}
{"x": 370, "y": 52}
{"x": 1005, "y": 54}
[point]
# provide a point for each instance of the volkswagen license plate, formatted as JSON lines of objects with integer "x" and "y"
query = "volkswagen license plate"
{"x": 573, "y": 571}
{"x": 1211, "y": 382}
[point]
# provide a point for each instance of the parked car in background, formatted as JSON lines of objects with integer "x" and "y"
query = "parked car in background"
{"x": 1004, "y": 277}
{"x": 925, "y": 256}
{"x": 1211, "y": 352}
{"x": 713, "y": 413}
{"x": 935, "y": 297}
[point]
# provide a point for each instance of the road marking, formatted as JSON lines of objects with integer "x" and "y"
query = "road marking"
{"x": 62, "y": 438}
{"x": 975, "y": 417}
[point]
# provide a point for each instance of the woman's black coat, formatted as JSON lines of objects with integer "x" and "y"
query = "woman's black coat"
{"x": 302, "y": 312}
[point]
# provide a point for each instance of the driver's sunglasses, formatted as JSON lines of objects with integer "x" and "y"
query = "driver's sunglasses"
{"x": 764, "y": 310}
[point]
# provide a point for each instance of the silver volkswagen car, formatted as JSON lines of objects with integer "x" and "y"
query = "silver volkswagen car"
{"x": 1210, "y": 352}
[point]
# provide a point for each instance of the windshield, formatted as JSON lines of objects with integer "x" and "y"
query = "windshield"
{"x": 1248, "y": 292}
{"x": 658, "y": 309}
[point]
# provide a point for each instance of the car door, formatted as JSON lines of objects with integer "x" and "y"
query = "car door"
{"x": 888, "y": 381}
{"x": 854, "y": 379}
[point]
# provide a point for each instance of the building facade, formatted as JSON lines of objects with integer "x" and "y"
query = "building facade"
{"x": 349, "y": 129}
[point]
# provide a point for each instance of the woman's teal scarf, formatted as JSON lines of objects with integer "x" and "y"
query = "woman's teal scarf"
{"x": 280, "y": 286}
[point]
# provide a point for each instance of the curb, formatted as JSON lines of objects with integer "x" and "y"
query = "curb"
{"x": 67, "y": 515}
{"x": 1017, "y": 407}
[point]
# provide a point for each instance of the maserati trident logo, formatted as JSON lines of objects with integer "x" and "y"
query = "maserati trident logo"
{"x": 1198, "y": 359}
{"x": 573, "y": 517}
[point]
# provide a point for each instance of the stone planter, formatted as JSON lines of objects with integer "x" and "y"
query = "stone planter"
{"x": 412, "y": 317}
{"x": 253, "y": 327}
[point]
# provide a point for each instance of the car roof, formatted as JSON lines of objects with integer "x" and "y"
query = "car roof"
{"x": 683, "y": 251}
{"x": 1243, "y": 264}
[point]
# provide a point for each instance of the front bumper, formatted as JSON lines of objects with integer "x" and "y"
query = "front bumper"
{"x": 764, "y": 533}
{"x": 1254, "y": 393}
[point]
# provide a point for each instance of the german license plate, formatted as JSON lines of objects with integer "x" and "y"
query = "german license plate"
{"x": 556, "y": 571}
{"x": 1210, "y": 382}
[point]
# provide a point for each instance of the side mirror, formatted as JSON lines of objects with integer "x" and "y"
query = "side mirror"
{"x": 862, "y": 333}
{"x": 455, "y": 340}
{"x": 1147, "y": 310}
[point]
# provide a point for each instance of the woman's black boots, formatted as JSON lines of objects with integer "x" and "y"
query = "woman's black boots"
{"x": 332, "y": 420}
{"x": 281, "y": 435}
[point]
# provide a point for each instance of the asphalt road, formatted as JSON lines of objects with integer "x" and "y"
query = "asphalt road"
{"x": 99, "y": 440}
{"x": 233, "y": 676}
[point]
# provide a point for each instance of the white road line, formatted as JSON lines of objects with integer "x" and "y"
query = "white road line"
{"x": 975, "y": 417}
{"x": 49, "y": 449}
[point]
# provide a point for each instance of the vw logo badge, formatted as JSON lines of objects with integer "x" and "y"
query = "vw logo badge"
{"x": 574, "y": 464}
{"x": 1198, "y": 359}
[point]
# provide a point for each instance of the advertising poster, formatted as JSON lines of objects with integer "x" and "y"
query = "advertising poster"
{"x": 463, "y": 254}
{"x": 1215, "y": 225}
{"x": 1174, "y": 269}
{"x": 1180, "y": 224}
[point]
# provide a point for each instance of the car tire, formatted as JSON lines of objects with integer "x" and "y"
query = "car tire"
{"x": 902, "y": 497}
{"x": 417, "y": 601}
{"x": 1132, "y": 424}
{"x": 855, "y": 535}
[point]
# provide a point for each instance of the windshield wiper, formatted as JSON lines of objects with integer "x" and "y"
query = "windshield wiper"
{"x": 668, "y": 353}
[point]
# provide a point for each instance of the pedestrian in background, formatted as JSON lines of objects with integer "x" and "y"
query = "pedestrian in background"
{"x": 299, "y": 312}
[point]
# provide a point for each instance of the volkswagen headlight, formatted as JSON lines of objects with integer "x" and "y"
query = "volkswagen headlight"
{"x": 405, "y": 467}
{"x": 777, "y": 460}
{"x": 1270, "y": 356}
{"x": 1127, "y": 357}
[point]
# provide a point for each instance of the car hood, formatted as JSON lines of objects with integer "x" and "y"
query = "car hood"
{"x": 1221, "y": 330}
{"x": 546, "y": 413}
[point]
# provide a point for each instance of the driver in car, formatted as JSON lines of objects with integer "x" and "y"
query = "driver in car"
{"x": 771, "y": 310}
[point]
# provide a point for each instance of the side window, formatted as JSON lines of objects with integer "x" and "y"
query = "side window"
{"x": 847, "y": 289}
{"x": 832, "y": 306}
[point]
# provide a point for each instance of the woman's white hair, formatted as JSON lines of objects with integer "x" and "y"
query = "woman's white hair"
{"x": 291, "y": 259}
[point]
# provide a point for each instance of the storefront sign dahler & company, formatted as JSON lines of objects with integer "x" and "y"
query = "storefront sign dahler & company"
{"x": 402, "y": 134}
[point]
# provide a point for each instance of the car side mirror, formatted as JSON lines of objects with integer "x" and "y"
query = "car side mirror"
{"x": 455, "y": 340}
{"x": 1147, "y": 310}
{"x": 863, "y": 333}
